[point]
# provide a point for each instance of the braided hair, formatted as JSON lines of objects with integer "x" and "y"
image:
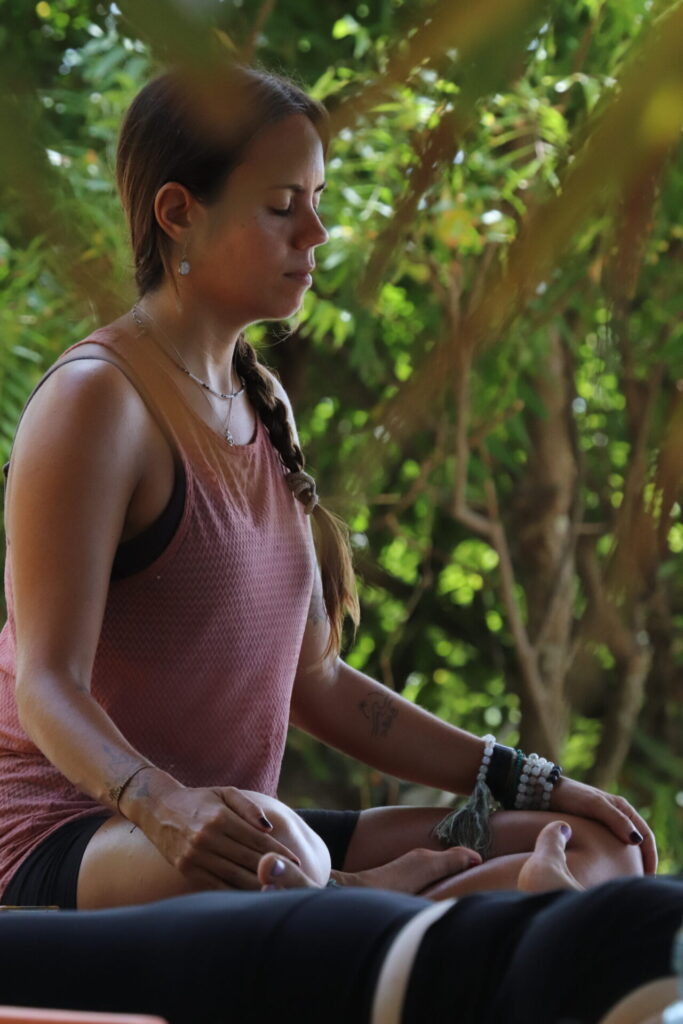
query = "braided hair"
{"x": 168, "y": 136}
{"x": 331, "y": 534}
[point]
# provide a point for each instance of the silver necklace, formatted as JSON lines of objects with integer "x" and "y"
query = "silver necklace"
{"x": 228, "y": 396}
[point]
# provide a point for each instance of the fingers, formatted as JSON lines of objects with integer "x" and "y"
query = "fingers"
{"x": 649, "y": 852}
{"x": 248, "y": 826}
{"x": 639, "y": 827}
{"x": 245, "y": 807}
{"x": 630, "y": 827}
{"x": 613, "y": 811}
{"x": 275, "y": 873}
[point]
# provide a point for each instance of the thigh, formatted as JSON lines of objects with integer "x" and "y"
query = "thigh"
{"x": 121, "y": 865}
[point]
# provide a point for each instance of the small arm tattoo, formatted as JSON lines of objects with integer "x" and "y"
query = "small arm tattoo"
{"x": 380, "y": 711}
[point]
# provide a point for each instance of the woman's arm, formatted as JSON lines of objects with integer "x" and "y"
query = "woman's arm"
{"x": 348, "y": 710}
{"x": 89, "y": 465}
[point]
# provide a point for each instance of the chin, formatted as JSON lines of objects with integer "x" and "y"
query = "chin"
{"x": 286, "y": 311}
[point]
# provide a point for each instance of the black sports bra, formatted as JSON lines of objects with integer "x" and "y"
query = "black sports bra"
{"x": 137, "y": 553}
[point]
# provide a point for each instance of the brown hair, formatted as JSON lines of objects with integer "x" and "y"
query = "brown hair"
{"x": 193, "y": 130}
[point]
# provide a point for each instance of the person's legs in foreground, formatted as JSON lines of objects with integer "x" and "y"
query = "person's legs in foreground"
{"x": 553, "y": 960}
{"x": 316, "y": 954}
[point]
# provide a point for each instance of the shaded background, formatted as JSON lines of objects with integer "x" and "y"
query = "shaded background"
{"x": 488, "y": 373}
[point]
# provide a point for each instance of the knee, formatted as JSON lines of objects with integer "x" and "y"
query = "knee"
{"x": 293, "y": 832}
{"x": 612, "y": 857}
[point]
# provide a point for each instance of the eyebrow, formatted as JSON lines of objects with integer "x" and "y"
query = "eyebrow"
{"x": 299, "y": 188}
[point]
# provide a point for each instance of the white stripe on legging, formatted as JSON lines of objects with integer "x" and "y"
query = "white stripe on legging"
{"x": 392, "y": 982}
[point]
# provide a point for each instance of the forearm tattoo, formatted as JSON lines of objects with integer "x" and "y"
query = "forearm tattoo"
{"x": 380, "y": 711}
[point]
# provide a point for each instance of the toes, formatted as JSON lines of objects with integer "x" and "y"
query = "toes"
{"x": 463, "y": 858}
{"x": 278, "y": 873}
{"x": 552, "y": 839}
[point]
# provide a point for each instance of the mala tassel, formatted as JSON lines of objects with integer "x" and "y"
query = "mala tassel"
{"x": 469, "y": 824}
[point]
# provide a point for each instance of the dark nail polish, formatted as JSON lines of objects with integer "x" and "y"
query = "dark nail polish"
{"x": 566, "y": 832}
{"x": 264, "y": 821}
{"x": 635, "y": 837}
{"x": 277, "y": 868}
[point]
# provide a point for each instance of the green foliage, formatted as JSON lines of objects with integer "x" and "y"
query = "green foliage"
{"x": 420, "y": 239}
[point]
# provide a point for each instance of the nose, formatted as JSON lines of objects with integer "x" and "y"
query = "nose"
{"x": 312, "y": 231}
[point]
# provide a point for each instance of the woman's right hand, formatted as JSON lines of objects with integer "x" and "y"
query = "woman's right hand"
{"x": 215, "y": 837}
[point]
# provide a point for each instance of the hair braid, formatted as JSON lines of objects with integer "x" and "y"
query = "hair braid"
{"x": 330, "y": 532}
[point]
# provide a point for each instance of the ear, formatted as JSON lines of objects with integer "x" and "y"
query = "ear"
{"x": 174, "y": 209}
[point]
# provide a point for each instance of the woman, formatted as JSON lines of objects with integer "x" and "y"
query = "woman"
{"x": 167, "y": 614}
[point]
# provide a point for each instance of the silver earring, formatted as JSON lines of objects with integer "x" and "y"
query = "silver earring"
{"x": 184, "y": 265}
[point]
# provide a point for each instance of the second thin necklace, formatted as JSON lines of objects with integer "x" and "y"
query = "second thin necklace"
{"x": 228, "y": 396}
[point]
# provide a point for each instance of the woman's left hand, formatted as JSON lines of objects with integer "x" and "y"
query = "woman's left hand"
{"x": 614, "y": 812}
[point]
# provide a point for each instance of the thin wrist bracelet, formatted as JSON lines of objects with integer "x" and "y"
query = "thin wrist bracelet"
{"x": 117, "y": 791}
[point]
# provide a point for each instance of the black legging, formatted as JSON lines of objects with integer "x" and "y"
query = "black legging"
{"x": 313, "y": 955}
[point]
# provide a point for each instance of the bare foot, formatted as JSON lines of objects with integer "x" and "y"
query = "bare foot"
{"x": 412, "y": 872}
{"x": 546, "y": 868}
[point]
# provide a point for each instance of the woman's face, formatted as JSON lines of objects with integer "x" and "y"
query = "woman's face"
{"x": 252, "y": 252}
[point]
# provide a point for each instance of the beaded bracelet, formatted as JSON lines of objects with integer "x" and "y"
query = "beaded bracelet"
{"x": 537, "y": 780}
{"x": 489, "y": 744}
{"x": 506, "y": 777}
{"x": 517, "y": 781}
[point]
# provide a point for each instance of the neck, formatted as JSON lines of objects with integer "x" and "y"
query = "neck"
{"x": 203, "y": 339}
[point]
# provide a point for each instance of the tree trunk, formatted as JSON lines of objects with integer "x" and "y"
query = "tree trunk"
{"x": 542, "y": 536}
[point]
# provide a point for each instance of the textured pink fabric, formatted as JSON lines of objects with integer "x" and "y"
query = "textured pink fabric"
{"x": 198, "y": 652}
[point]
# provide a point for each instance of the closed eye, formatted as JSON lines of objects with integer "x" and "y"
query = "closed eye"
{"x": 279, "y": 212}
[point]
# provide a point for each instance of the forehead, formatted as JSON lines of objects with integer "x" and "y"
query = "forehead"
{"x": 287, "y": 151}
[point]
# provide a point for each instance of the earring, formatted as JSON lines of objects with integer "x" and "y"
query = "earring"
{"x": 184, "y": 265}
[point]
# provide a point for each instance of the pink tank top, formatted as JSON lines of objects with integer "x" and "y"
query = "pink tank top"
{"x": 198, "y": 651}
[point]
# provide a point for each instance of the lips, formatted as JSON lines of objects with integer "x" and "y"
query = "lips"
{"x": 303, "y": 276}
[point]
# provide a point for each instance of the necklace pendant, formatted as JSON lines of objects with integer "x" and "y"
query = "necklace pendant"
{"x": 229, "y": 438}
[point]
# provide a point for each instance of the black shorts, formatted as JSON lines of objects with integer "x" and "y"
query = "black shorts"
{"x": 49, "y": 875}
{"x": 314, "y": 955}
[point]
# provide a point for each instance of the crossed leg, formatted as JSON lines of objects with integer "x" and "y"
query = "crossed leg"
{"x": 544, "y": 869}
{"x": 594, "y": 854}
{"x": 391, "y": 848}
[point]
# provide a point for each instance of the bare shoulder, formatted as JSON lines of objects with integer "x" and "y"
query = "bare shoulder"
{"x": 86, "y": 415}
{"x": 88, "y": 396}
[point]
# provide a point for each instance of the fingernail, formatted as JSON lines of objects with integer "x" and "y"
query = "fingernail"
{"x": 264, "y": 821}
{"x": 566, "y": 832}
{"x": 474, "y": 861}
{"x": 277, "y": 868}
{"x": 268, "y": 888}
{"x": 635, "y": 837}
